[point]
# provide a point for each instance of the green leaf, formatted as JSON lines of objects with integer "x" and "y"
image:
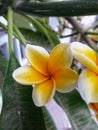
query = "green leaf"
{"x": 46, "y": 31}
{"x": 38, "y": 28}
{"x": 35, "y": 38}
{"x": 18, "y": 110}
{"x": 3, "y": 65}
{"x": 23, "y": 23}
{"x": 76, "y": 110}
{"x": 50, "y": 125}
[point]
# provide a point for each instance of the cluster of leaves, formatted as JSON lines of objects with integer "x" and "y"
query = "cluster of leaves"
{"x": 19, "y": 111}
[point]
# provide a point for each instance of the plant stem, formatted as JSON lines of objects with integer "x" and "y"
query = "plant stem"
{"x": 19, "y": 34}
{"x": 90, "y": 33}
{"x": 3, "y": 26}
{"x": 16, "y": 33}
{"x": 10, "y": 30}
{"x": 42, "y": 28}
{"x": 63, "y": 8}
{"x": 69, "y": 35}
{"x": 80, "y": 30}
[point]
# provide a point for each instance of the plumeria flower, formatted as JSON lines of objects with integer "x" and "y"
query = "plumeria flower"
{"x": 88, "y": 79}
{"x": 47, "y": 73}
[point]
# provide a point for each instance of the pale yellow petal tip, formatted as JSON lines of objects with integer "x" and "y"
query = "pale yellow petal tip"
{"x": 66, "y": 44}
{"x": 69, "y": 89}
{"x": 38, "y": 101}
{"x": 28, "y": 46}
{"x": 80, "y": 47}
{"x": 15, "y": 75}
{"x": 76, "y": 46}
{"x": 66, "y": 80}
{"x": 43, "y": 93}
{"x": 33, "y": 46}
{"x": 36, "y": 48}
{"x": 19, "y": 76}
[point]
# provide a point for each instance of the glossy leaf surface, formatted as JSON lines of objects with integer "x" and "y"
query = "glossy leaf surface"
{"x": 19, "y": 112}
{"x": 76, "y": 110}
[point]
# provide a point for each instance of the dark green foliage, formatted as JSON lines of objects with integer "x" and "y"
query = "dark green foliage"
{"x": 63, "y": 8}
{"x": 76, "y": 110}
{"x": 3, "y": 65}
{"x": 19, "y": 112}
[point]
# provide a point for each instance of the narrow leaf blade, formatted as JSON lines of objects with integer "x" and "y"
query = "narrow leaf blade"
{"x": 77, "y": 111}
{"x": 19, "y": 112}
{"x": 50, "y": 125}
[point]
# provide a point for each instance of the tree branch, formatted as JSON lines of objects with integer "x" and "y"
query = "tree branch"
{"x": 63, "y": 8}
{"x": 80, "y": 30}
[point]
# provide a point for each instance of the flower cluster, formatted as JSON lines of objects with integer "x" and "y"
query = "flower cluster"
{"x": 50, "y": 72}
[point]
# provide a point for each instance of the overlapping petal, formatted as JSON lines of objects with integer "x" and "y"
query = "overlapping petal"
{"x": 38, "y": 57}
{"x": 85, "y": 55}
{"x": 47, "y": 73}
{"x": 60, "y": 56}
{"x": 27, "y": 75}
{"x": 94, "y": 107}
{"x": 88, "y": 86}
{"x": 65, "y": 79}
{"x": 44, "y": 92}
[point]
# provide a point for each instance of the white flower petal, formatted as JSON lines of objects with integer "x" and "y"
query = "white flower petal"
{"x": 88, "y": 86}
{"x": 85, "y": 55}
